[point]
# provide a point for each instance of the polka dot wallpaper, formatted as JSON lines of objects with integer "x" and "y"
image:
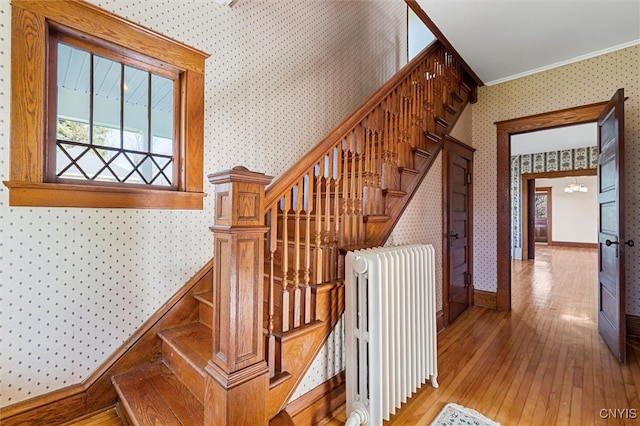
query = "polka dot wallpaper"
{"x": 76, "y": 283}
{"x": 585, "y": 82}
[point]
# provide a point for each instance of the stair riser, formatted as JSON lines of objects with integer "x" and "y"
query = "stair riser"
{"x": 184, "y": 371}
{"x": 205, "y": 313}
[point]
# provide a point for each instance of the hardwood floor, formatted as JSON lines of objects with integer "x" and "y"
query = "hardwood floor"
{"x": 541, "y": 364}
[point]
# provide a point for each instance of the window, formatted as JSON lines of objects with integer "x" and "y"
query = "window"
{"x": 105, "y": 113}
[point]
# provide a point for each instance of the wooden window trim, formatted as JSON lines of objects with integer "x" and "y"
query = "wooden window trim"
{"x": 29, "y": 42}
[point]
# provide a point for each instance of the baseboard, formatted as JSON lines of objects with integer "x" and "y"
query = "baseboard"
{"x": 486, "y": 299}
{"x": 439, "y": 321}
{"x": 633, "y": 326}
{"x": 96, "y": 391}
{"x": 573, "y": 244}
{"x": 320, "y": 403}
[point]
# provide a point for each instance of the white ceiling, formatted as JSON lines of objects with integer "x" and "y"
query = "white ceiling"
{"x": 505, "y": 39}
{"x": 567, "y": 137}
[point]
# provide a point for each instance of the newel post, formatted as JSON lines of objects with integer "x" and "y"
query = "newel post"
{"x": 237, "y": 379}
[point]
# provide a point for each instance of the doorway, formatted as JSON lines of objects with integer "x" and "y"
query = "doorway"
{"x": 611, "y": 236}
{"x": 578, "y": 115}
{"x": 527, "y": 218}
{"x": 542, "y": 213}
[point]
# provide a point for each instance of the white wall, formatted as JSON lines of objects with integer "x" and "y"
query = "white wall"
{"x": 574, "y": 216}
{"x": 76, "y": 283}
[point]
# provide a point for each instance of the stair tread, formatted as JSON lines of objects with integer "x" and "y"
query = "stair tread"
{"x": 376, "y": 218}
{"x": 153, "y": 395}
{"x": 394, "y": 193}
{"x": 193, "y": 341}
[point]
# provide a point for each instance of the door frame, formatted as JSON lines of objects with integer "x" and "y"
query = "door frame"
{"x": 548, "y": 191}
{"x": 465, "y": 151}
{"x": 560, "y": 118}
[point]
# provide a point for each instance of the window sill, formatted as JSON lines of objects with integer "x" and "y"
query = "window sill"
{"x": 66, "y": 195}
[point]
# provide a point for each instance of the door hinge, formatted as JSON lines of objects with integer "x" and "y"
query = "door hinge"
{"x": 469, "y": 279}
{"x": 468, "y": 178}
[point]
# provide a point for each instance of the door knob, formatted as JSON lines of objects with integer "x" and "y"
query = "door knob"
{"x": 630, "y": 243}
{"x": 609, "y": 243}
{"x": 453, "y": 235}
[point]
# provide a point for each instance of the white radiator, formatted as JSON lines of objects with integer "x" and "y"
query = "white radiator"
{"x": 390, "y": 311}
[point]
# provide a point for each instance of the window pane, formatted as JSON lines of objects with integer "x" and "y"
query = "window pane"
{"x": 107, "y": 83}
{"x": 74, "y": 75}
{"x": 418, "y": 35}
{"x": 162, "y": 115}
{"x": 136, "y": 109}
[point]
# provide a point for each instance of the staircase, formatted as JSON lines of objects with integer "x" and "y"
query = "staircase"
{"x": 346, "y": 193}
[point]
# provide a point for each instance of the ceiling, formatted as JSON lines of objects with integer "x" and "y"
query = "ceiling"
{"x": 505, "y": 39}
{"x": 568, "y": 137}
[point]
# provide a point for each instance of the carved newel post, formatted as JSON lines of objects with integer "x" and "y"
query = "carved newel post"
{"x": 237, "y": 379}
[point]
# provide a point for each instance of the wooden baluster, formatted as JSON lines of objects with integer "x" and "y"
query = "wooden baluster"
{"x": 414, "y": 114}
{"x": 336, "y": 175}
{"x": 319, "y": 250}
{"x": 297, "y": 210}
{"x": 285, "y": 206}
{"x": 372, "y": 166}
{"x": 353, "y": 180}
{"x": 327, "y": 213}
{"x": 366, "y": 170}
{"x": 380, "y": 116}
{"x": 384, "y": 140}
{"x": 430, "y": 94}
{"x": 272, "y": 241}
{"x": 359, "y": 187}
{"x": 308, "y": 209}
{"x": 344, "y": 219}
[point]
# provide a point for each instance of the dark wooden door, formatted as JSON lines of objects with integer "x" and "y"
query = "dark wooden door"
{"x": 458, "y": 168}
{"x": 611, "y": 237}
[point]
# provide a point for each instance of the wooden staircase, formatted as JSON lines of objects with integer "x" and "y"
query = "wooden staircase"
{"x": 347, "y": 192}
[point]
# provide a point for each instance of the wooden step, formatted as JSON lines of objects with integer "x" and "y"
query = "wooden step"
{"x": 450, "y": 109}
{"x": 152, "y": 395}
{"x": 393, "y": 193}
{"x": 186, "y": 351}
{"x": 440, "y": 121}
{"x": 205, "y": 308}
{"x": 457, "y": 98}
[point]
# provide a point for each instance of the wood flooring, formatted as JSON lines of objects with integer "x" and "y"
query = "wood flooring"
{"x": 544, "y": 363}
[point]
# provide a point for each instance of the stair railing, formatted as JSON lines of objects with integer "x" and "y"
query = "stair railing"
{"x": 324, "y": 201}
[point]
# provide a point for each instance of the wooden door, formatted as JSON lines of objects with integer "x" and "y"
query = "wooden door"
{"x": 611, "y": 238}
{"x": 457, "y": 243}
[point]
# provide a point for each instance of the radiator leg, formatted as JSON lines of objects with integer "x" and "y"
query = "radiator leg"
{"x": 358, "y": 417}
{"x": 434, "y": 381}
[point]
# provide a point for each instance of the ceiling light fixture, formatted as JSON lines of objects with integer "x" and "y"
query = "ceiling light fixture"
{"x": 576, "y": 187}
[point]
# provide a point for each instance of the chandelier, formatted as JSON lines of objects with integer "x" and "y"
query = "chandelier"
{"x": 576, "y": 187}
